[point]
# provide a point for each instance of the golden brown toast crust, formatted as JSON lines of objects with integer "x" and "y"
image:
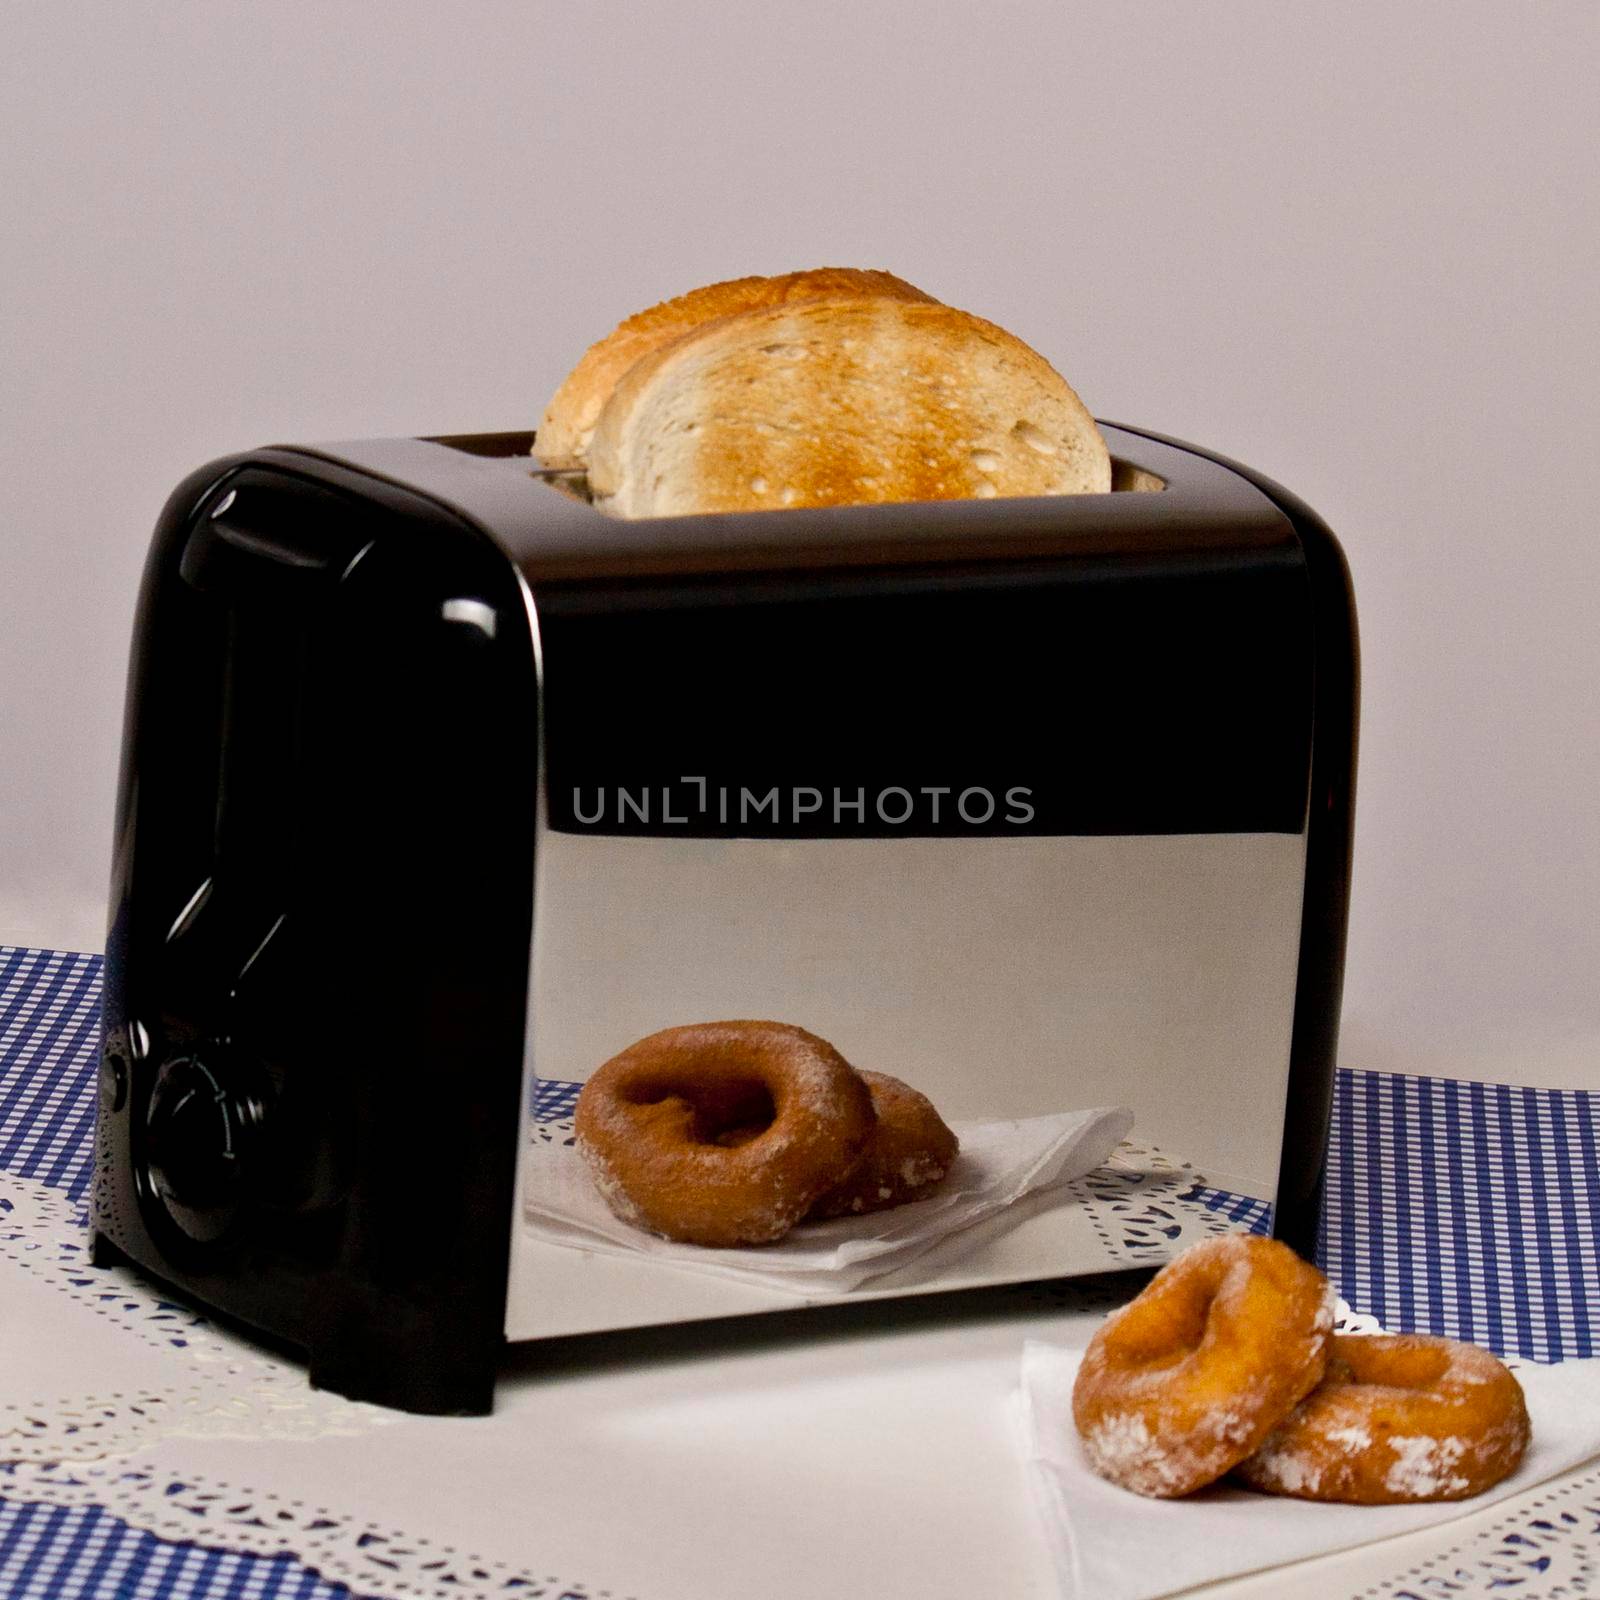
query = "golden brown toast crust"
{"x": 836, "y": 402}
{"x": 569, "y": 420}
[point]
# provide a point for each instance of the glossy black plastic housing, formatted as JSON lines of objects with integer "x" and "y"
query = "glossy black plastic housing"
{"x": 317, "y": 962}
{"x": 316, "y": 978}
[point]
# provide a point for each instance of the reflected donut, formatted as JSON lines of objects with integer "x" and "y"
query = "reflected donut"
{"x": 1190, "y": 1378}
{"x": 1398, "y": 1418}
{"x": 907, "y": 1157}
{"x": 722, "y": 1133}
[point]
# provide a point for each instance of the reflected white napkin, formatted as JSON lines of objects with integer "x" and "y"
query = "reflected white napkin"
{"x": 1111, "y": 1544}
{"x": 999, "y": 1163}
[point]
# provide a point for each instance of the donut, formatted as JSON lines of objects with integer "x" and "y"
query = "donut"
{"x": 1189, "y": 1378}
{"x": 722, "y": 1133}
{"x": 908, "y": 1155}
{"x": 1398, "y": 1418}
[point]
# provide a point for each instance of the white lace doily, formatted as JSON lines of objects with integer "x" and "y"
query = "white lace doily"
{"x": 134, "y": 1389}
{"x": 1547, "y": 1549}
{"x": 1138, "y": 1207}
{"x": 116, "y": 1372}
{"x": 143, "y": 1408}
{"x": 215, "y": 1385}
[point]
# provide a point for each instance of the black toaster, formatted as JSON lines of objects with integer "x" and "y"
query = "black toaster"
{"x": 439, "y": 788}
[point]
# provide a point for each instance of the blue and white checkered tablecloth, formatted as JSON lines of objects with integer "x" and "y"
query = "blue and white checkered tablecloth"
{"x": 1465, "y": 1209}
{"x": 49, "y": 1038}
{"x": 50, "y": 1551}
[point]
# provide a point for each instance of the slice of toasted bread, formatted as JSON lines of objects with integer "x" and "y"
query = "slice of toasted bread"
{"x": 839, "y": 402}
{"x": 563, "y": 437}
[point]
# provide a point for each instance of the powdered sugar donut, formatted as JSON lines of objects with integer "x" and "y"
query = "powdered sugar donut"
{"x": 907, "y": 1157}
{"x": 1189, "y": 1379}
{"x": 1398, "y": 1418}
{"x": 722, "y": 1133}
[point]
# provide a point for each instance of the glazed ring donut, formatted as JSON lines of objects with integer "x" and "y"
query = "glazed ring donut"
{"x": 1399, "y": 1417}
{"x": 907, "y": 1157}
{"x": 723, "y": 1133}
{"x": 1188, "y": 1379}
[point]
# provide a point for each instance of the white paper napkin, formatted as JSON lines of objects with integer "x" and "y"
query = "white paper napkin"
{"x": 999, "y": 1163}
{"x": 1111, "y": 1544}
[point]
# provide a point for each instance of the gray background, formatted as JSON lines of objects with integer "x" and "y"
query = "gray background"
{"x": 1353, "y": 245}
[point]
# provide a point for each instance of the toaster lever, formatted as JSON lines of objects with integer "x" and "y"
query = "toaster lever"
{"x": 260, "y": 531}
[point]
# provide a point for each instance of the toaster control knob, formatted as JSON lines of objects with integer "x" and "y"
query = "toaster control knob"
{"x": 205, "y": 1114}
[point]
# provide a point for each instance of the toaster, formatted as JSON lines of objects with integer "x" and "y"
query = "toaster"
{"x": 439, "y": 788}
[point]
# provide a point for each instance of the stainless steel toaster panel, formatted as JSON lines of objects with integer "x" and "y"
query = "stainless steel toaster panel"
{"x": 1004, "y": 977}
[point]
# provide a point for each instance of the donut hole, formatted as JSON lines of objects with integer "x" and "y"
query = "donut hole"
{"x": 1166, "y": 1329}
{"x": 1419, "y": 1366}
{"x": 1187, "y": 1322}
{"x": 716, "y": 1113}
{"x": 742, "y": 1133}
{"x": 732, "y": 1116}
{"x": 1186, "y": 1313}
